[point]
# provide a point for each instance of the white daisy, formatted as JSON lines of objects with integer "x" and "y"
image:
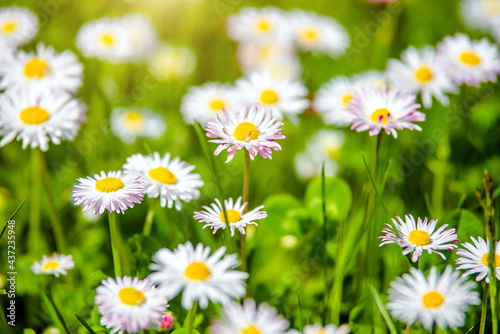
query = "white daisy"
{"x": 328, "y": 329}
{"x": 480, "y": 14}
{"x": 320, "y": 33}
{"x": 169, "y": 62}
{"x": 476, "y": 259}
{"x": 142, "y": 35}
{"x": 200, "y": 276}
{"x": 370, "y": 78}
{"x": 128, "y": 124}
{"x": 56, "y": 264}
{"x": 385, "y": 109}
{"x": 113, "y": 191}
{"x": 44, "y": 70}
{"x": 255, "y": 131}
{"x": 249, "y": 319}
{"x": 129, "y": 304}
{"x": 331, "y": 100}
{"x": 169, "y": 179}
{"x": 419, "y": 237}
{"x": 467, "y": 61}
{"x": 441, "y": 299}
{"x": 420, "y": 72}
{"x": 106, "y": 39}
{"x": 39, "y": 117}
{"x": 259, "y": 25}
{"x": 284, "y": 96}
{"x": 18, "y": 25}
{"x": 202, "y": 104}
{"x": 214, "y": 217}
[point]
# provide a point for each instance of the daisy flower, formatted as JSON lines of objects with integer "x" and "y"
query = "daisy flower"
{"x": 385, "y": 109}
{"x": 370, "y": 78}
{"x": 332, "y": 100}
{"x": 255, "y": 131}
{"x": 18, "y": 25}
{"x": 169, "y": 179}
{"x": 128, "y": 124}
{"x": 320, "y": 33}
{"x": 37, "y": 117}
{"x": 106, "y": 39}
{"x": 202, "y": 104}
{"x": 43, "y": 70}
{"x": 419, "y": 72}
{"x": 249, "y": 318}
{"x": 129, "y": 304}
{"x": 328, "y": 329}
{"x": 113, "y": 191}
{"x": 475, "y": 259}
{"x": 200, "y": 276}
{"x": 285, "y": 96}
{"x": 467, "y": 61}
{"x": 141, "y": 33}
{"x": 442, "y": 299}
{"x": 480, "y": 14}
{"x": 56, "y": 264}
{"x": 169, "y": 62}
{"x": 259, "y": 25}
{"x": 214, "y": 217}
{"x": 419, "y": 237}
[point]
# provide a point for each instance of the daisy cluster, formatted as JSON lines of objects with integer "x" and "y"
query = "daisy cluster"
{"x": 37, "y": 103}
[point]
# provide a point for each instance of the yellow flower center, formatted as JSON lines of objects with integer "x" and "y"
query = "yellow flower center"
{"x": 109, "y": 184}
{"x": 346, "y": 98}
{"x": 309, "y": 35}
{"x": 9, "y": 27}
{"x": 36, "y": 68}
{"x": 484, "y": 259}
{"x": 419, "y": 238}
{"x": 246, "y": 131}
{"x": 34, "y": 115}
{"x": 163, "y": 175}
{"x": 250, "y": 330}
{"x": 217, "y": 105}
{"x": 131, "y": 296}
{"x": 381, "y": 112}
{"x": 51, "y": 265}
{"x": 432, "y": 299}
{"x": 107, "y": 39}
{"x": 268, "y": 97}
{"x": 232, "y": 215}
{"x": 197, "y": 271}
{"x": 134, "y": 120}
{"x": 491, "y": 7}
{"x": 423, "y": 74}
{"x": 470, "y": 58}
{"x": 263, "y": 25}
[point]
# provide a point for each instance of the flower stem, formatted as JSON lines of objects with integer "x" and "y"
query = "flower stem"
{"x": 149, "y": 217}
{"x": 246, "y": 187}
{"x": 484, "y": 308}
{"x": 54, "y": 216}
{"x": 34, "y": 209}
{"x": 115, "y": 247}
{"x": 190, "y": 317}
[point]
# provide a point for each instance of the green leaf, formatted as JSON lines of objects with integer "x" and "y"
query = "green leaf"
{"x": 283, "y": 215}
{"x": 383, "y": 311}
{"x": 338, "y": 198}
{"x": 184, "y": 331}
{"x": 143, "y": 248}
{"x": 95, "y": 279}
{"x": 84, "y": 323}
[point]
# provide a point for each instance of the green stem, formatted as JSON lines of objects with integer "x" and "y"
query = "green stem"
{"x": 484, "y": 308}
{"x": 115, "y": 247}
{"x": 246, "y": 188}
{"x": 54, "y": 216}
{"x": 149, "y": 217}
{"x": 190, "y": 317}
{"x": 34, "y": 208}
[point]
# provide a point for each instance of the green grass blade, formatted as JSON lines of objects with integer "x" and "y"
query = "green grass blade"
{"x": 12, "y": 216}
{"x": 383, "y": 311}
{"x": 375, "y": 187}
{"x": 84, "y": 323}
{"x": 58, "y": 313}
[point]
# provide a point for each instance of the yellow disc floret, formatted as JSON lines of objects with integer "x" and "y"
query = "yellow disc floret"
{"x": 432, "y": 299}
{"x": 484, "y": 259}
{"x": 131, "y": 296}
{"x": 217, "y": 105}
{"x": 470, "y": 58}
{"x": 423, "y": 74}
{"x": 269, "y": 97}
{"x": 163, "y": 175}
{"x": 232, "y": 215}
{"x": 246, "y": 131}
{"x": 34, "y": 115}
{"x": 36, "y": 68}
{"x": 419, "y": 238}
{"x": 51, "y": 265}
{"x": 381, "y": 112}
{"x": 109, "y": 184}
{"x": 197, "y": 271}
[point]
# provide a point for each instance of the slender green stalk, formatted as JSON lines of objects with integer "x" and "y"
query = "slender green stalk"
{"x": 54, "y": 216}
{"x": 246, "y": 189}
{"x": 434, "y": 328}
{"x": 190, "y": 318}
{"x": 115, "y": 247}
{"x": 34, "y": 208}
{"x": 484, "y": 308}
{"x": 325, "y": 239}
{"x": 149, "y": 217}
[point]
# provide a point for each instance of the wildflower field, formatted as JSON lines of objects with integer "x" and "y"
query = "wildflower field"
{"x": 249, "y": 167}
